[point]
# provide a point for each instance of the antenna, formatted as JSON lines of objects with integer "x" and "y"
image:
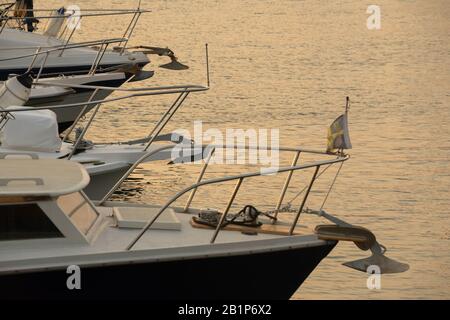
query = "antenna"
{"x": 347, "y": 104}
{"x": 207, "y": 65}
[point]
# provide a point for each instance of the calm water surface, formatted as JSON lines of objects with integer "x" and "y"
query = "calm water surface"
{"x": 289, "y": 65}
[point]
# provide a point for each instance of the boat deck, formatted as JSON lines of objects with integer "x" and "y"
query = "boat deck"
{"x": 109, "y": 246}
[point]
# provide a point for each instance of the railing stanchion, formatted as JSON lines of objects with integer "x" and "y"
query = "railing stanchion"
{"x": 38, "y": 50}
{"x": 131, "y": 32}
{"x": 164, "y": 116}
{"x": 200, "y": 177}
{"x": 286, "y": 184}
{"x": 169, "y": 115}
{"x": 227, "y": 209}
{"x": 98, "y": 58}
{"x": 94, "y": 63}
{"x": 81, "y": 136}
{"x": 162, "y": 123}
{"x": 42, "y": 68}
{"x": 294, "y": 224}
{"x": 4, "y": 24}
{"x": 240, "y": 177}
{"x": 127, "y": 29}
{"x": 79, "y": 116}
{"x": 70, "y": 36}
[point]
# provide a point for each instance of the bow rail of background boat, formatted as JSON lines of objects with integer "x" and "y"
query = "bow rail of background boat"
{"x": 136, "y": 13}
{"x": 152, "y": 91}
{"x": 58, "y": 47}
{"x": 337, "y": 159}
{"x": 61, "y": 49}
{"x": 183, "y": 90}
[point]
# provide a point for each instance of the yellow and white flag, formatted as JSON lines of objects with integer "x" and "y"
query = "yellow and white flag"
{"x": 338, "y": 136}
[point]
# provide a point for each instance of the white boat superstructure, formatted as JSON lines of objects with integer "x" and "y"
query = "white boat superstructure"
{"x": 33, "y": 132}
{"x": 18, "y": 51}
{"x": 18, "y": 47}
{"x": 52, "y": 53}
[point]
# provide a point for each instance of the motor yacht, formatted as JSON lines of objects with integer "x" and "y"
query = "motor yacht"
{"x": 55, "y": 243}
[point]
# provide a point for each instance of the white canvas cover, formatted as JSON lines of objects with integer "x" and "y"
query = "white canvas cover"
{"x": 35, "y": 130}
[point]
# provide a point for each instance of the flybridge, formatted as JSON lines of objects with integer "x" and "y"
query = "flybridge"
{"x": 38, "y": 178}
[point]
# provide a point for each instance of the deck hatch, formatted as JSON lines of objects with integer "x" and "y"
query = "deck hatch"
{"x": 136, "y": 218}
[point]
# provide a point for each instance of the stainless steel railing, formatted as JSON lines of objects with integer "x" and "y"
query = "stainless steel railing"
{"x": 136, "y": 14}
{"x": 46, "y": 53}
{"x": 239, "y": 180}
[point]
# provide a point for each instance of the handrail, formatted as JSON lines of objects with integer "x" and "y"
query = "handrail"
{"x": 134, "y": 95}
{"x": 112, "y": 13}
{"x": 80, "y": 115}
{"x": 84, "y": 86}
{"x": 128, "y": 32}
{"x": 239, "y": 177}
{"x": 182, "y": 90}
{"x": 213, "y": 147}
{"x": 85, "y": 10}
{"x": 199, "y": 178}
{"x": 286, "y": 184}
{"x": 60, "y": 47}
{"x": 82, "y": 44}
{"x": 155, "y": 132}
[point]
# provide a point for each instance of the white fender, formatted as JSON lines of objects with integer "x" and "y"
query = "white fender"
{"x": 15, "y": 91}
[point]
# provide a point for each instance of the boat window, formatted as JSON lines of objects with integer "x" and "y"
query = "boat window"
{"x": 78, "y": 210}
{"x": 26, "y": 221}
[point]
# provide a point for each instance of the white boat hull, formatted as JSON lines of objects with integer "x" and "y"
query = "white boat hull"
{"x": 102, "y": 182}
{"x": 17, "y": 43}
{"x": 269, "y": 275}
